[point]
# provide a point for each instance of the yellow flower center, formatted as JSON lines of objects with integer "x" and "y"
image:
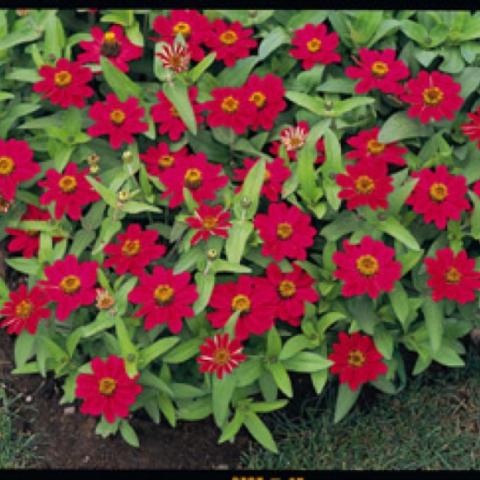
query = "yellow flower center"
{"x": 267, "y": 176}
{"x": 131, "y": 247}
{"x": 229, "y": 37}
{"x": 193, "y": 178}
{"x": 438, "y": 192}
{"x": 107, "y": 386}
{"x": 210, "y": 222}
{"x": 166, "y": 161}
{"x": 174, "y": 112}
{"x": 367, "y": 265}
{"x": 6, "y": 165}
{"x": 110, "y": 46}
{"x": 258, "y": 98}
{"x": 284, "y": 231}
{"x": 379, "y": 69}
{"x": 70, "y": 284}
{"x": 163, "y": 294}
{"x": 356, "y": 358}
{"x": 241, "y": 303}
{"x": 62, "y": 78}
{"x": 453, "y": 275}
{"x": 24, "y": 309}
{"x": 67, "y": 184}
{"x": 230, "y": 104}
{"x": 117, "y": 116}
{"x": 109, "y": 37}
{"x": 221, "y": 356}
{"x": 375, "y": 147}
{"x": 314, "y": 45}
{"x": 296, "y": 142}
{"x": 432, "y": 96}
{"x": 183, "y": 28}
{"x": 364, "y": 184}
{"x": 287, "y": 289}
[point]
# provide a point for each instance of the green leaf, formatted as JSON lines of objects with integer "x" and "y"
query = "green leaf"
{"x": 306, "y": 16}
{"x": 294, "y": 345}
{"x": 232, "y": 428}
{"x": 54, "y": 37}
{"x": 197, "y": 71}
{"x": 266, "y": 407}
{"x": 342, "y": 107}
{"x": 237, "y": 240}
{"x": 447, "y": 356}
{"x": 307, "y": 362}
{"x": 415, "y": 31}
{"x": 24, "y": 35}
{"x": 118, "y": 81}
{"x": 107, "y": 194}
{"x": 237, "y": 75}
{"x": 275, "y": 38}
{"x": 399, "y": 300}
{"x": 150, "y": 380}
{"x": 139, "y": 207}
{"x": 128, "y": 349}
{"x": 260, "y": 432}
{"x": 251, "y": 188}
{"x": 383, "y": 341}
{"x": 434, "y": 322}
{"x": 222, "y": 391}
{"x": 346, "y": 398}
{"x": 24, "y": 348}
{"x": 30, "y": 266}
{"x": 475, "y": 218}
{"x": 274, "y": 342}
{"x": 281, "y": 377}
{"x": 319, "y": 380}
{"x": 128, "y": 434}
{"x": 400, "y": 126}
{"x": 177, "y": 93}
{"x": 186, "y": 350}
{"x": 155, "y": 350}
{"x": 205, "y": 284}
{"x": 310, "y": 103}
{"x": 394, "y": 228}
{"x": 81, "y": 240}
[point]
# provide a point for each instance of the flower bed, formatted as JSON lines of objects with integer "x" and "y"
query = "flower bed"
{"x": 203, "y": 202}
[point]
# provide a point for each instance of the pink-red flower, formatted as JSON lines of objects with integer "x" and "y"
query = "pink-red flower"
{"x": 314, "y": 45}
{"x": 472, "y": 129}
{"x": 439, "y": 196}
{"x": 432, "y": 95}
{"x": 160, "y": 158}
{"x": 367, "y": 268}
{"x": 209, "y": 221}
{"x": 230, "y": 107}
{"x": 16, "y": 166}
{"x": 366, "y": 146}
{"x": 285, "y": 231}
{"x": 293, "y": 290}
{"x": 135, "y": 250}
{"x": 24, "y": 310}
{"x": 365, "y": 183}
{"x": 356, "y": 360}
{"x": 27, "y": 242}
{"x": 165, "y": 298}
{"x": 195, "y": 173}
{"x": 267, "y": 94}
{"x": 275, "y": 175}
{"x": 112, "y": 44}
{"x": 175, "y": 57}
{"x": 108, "y": 390}
{"x": 230, "y": 41}
{"x": 69, "y": 190}
{"x": 220, "y": 355}
{"x": 253, "y": 297}
{"x": 119, "y": 120}
{"x": 165, "y": 114}
{"x": 191, "y": 24}
{"x": 65, "y": 84}
{"x": 71, "y": 284}
{"x": 452, "y": 276}
{"x": 378, "y": 70}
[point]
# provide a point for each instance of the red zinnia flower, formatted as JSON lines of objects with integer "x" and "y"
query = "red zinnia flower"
{"x": 230, "y": 107}
{"x": 275, "y": 175}
{"x": 194, "y": 172}
{"x": 220, "y": 355}
{"x": 367, "y": 268}
{"x": 165, "y": 298}
{"x": 65, "y": 84}
{"x": 16, "y": 166}
{"x": 108, "y": 391}
{"x": 24, "y": 310}
{"x": 166, "y": 115}
{"x": 191, "y": 24}
{"x": 230, "y": 41}
{"x": 365, "y": 183}
{"x": 439, "y": 196}
{"x": 378, "y": 70}
{"x": 71, "y": 284}
{"x": 293, "y": 290}
{"x": 285, "y": 231}
{"x": 253, "y": 297}
{"x": 136, "y": 249}
{"x": 119, "y": 120}
{"x": 112, "y": 44}
{"x": 209, "y": 221}
{"x": 175, "y": 57}
{"x": 267, "y": 95}
{"x": 367, "y": 146}
{"x": 315, "y": 45}
{"x": 472, "y": 129}
{"x": 357, "y": 360}
{"x": 452, "y": 276}
{"x": 160, "y": 158}
{"x": 70, "y": 190}
{"x": 432, "y": 95}
{"x": 27, "y": 241}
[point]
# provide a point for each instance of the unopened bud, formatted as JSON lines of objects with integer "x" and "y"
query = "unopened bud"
{"x": 127, "y": 156}
{"x": 245, "y": 202}
{"x": 4, "y": 205}
{"x": 93, "y": 159}
{"x": 328, "y": 104}
{"x": 104, "y": 299}
{"x": 22, "y": 12}
{"x": 123, "y": 196}
{"x": 212, "y": 254}
{"x": 94, "y": 169}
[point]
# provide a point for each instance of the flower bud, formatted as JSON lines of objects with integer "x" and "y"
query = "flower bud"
{"x": 123, "y": 196}
{"x": 245, "y": 202}
{"x": 212, "y": 254}
{"x": 104, "y": 299}
{"x": 127, "y": 156}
